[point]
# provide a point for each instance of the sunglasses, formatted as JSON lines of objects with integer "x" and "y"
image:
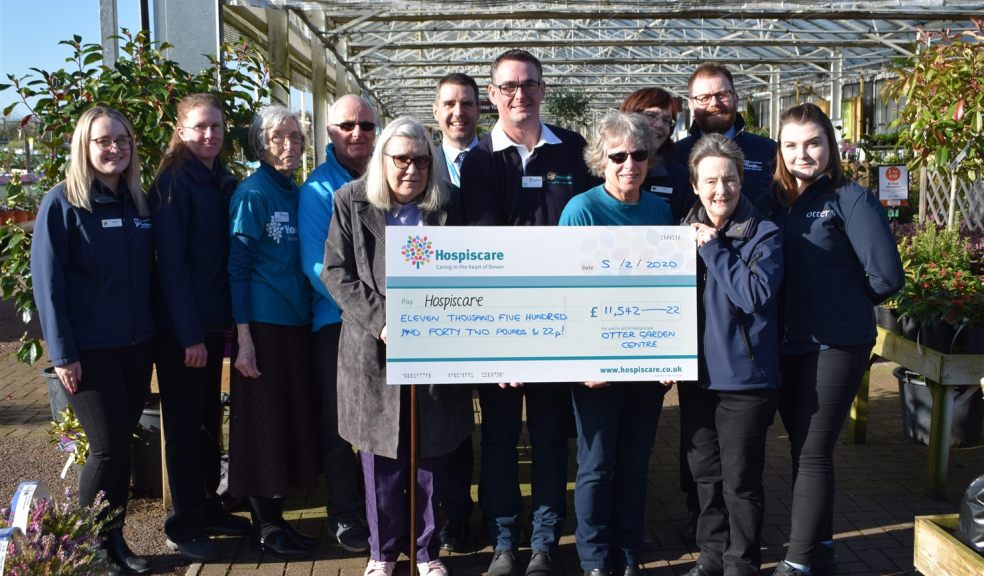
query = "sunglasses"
{"x": 621, "y": 157}
{"x": 403, "y": 162}
{"x": 365, "y": 126}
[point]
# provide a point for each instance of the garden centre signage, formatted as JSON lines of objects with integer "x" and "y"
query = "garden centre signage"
{"x": 893, "y": 185}
{"x": 540, "y": 304}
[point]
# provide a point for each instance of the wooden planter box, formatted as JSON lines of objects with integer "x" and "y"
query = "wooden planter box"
{"x": 937, "y": 551}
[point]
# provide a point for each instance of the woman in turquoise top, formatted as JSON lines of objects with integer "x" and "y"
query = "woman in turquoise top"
{"x": 616, "y": 423}
{"x": 273, "y": 436}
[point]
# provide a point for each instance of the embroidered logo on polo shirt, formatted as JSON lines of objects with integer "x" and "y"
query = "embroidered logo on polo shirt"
{"x": 753, "y": 165}
{"x": 554, "y": 178}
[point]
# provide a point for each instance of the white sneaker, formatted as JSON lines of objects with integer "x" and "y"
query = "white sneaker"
{"x": 432, "y": 568}
{"x": 379, "y": 568}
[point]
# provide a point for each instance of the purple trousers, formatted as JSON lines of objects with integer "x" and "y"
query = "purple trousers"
{"x": 388, "y": 504}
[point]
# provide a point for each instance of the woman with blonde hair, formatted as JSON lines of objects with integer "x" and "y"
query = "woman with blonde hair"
{"x": 398, "y": 189}
{"x": 91, "y": 262}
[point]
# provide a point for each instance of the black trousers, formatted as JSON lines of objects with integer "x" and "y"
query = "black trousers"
{"x": 343, "y": 471}
{"x": 108, "y": 404}
{"x": 192, "y": 414}
{"x": 814, "y": 401}
{"x": 457, "y": 502}
{"x": 725, "y": 435}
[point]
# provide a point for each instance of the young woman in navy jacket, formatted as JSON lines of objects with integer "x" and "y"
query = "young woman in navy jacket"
{"x": 724, "y": 417}
{"x": 91, "y": 262}
{"x": 841, "y": 260}
{"x": 190, "y": 206}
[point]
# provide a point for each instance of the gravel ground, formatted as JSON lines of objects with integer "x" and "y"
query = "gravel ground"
{"x": 26, "y": 455}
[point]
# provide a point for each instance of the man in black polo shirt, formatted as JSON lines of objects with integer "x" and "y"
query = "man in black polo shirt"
{"x": 522, "y": 174}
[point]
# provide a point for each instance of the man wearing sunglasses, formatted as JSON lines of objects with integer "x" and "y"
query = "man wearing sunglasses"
{"x": 522, "y": 174}
{"x": 714, "y": 104}
{"x": 351, "y": 132}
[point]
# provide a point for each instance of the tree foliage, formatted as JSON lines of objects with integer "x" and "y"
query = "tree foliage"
{"x": 143, "y": 85}
{"x": 568, "y": 108}
{"x": 943, "y": 112}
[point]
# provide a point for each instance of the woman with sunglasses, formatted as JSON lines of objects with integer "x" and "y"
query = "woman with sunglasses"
{"x": 667, "y": 178}
{"x": 616, "y": 423}
{"x": 399, "y": 188}
{"x": 92, "y": 261}
{"x": 276, "y": 402}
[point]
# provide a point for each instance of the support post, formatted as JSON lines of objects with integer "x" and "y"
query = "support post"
{"x": 278, "y": 40}
{"x": 938, "y": 456}
{"x": 774, "y": 111}
{"x": 319, "y": 92}
{"x": 837, "y": 96}
{"x": 109, "y": 27}
{"x": 192, "y": 27}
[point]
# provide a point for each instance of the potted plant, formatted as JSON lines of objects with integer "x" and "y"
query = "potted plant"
{"x": 61, "y": 538}
{"x": 941, "y": 289}
{"x": 67, "y": 434}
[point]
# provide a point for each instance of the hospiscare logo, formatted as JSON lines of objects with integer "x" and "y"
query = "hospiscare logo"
{"x": 418, "y": 251}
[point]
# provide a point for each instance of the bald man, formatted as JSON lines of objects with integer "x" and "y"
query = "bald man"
{"x": 352, "y": 132}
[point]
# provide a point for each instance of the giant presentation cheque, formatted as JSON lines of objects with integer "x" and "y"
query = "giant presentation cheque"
{"x": 540, "y": 304}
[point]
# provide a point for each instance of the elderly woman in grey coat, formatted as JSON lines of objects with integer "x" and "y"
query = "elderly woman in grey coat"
{"x": 399, "y": 188}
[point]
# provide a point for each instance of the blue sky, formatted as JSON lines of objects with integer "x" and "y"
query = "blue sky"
{"x": 31, "y": 29}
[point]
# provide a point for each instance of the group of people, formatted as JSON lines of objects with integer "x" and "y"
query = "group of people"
{"x": 791, "y": 259}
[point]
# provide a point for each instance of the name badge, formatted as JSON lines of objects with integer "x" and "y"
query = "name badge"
{"x": 281, "y": 216}
{"x": 532, "y": 181}
{"x": 663, "y": 190}
{"x": 113, "y": 223}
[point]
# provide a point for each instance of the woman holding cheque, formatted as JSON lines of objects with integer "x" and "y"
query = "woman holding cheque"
{"x": 399, "y": 188}
{"x": 725, "y": 415}
{"x": 616, "y": 423}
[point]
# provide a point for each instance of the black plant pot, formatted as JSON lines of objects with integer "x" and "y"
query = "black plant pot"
{"x": 57, "y": 396}
{"x": 146, "y": 470}
{"x": 938, "y": 336}
{"x": 888, "y": 318}
{"x": 909, "y": 328}
{"x": 969, "y": 340}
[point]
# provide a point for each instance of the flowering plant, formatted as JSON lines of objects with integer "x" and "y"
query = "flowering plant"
{"x": 68, "y": 435}
{"x": 62, "y": 539}
{"x": 936, "y": 292}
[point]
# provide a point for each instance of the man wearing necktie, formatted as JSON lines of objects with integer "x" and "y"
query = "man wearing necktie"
{"x": 456, "y": 112}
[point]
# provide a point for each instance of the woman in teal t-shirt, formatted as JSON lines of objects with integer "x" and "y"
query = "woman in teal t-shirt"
{"x": 616, "y": 423}
{"x": 273, "y": 436}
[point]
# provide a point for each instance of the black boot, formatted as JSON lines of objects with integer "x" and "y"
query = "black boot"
{"x": 121, "y": 554}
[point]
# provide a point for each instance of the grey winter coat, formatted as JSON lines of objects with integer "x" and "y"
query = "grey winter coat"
{"x": 355, "y": 274}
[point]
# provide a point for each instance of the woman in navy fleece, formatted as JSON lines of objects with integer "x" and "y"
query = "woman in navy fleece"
{"x": 841, "y": 260}
{"x": 724, "y": 417}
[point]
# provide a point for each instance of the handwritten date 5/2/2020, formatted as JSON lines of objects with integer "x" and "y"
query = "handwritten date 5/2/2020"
{"x": 641, "y": 264}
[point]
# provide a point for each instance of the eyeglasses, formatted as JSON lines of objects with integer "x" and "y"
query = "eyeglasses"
{"x": 365, "y": 126}
{"x": 403, "y": 162}
{"x": 658, "y": 117}
{"x": 204, "y": 128}
{"x": 705, "y": 99}
{"x": 106, "y": 143}
{"x": 279, "y": 141}
{"x": 529, "y": 87}
{"x": 636, "y": 155}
